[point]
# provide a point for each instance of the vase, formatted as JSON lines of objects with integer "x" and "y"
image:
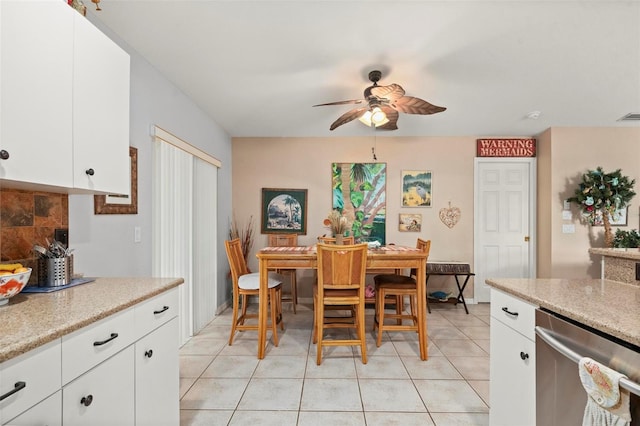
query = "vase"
{"x": 339, "y": 239}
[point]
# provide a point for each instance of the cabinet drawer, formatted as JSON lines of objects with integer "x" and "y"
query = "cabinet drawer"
{"x": 156, "y": 311}
{"x": 87, "y": 347}
{"x": 47, "y": 412}
{"x": 39, "y": 370}
{"x": 513, "y": 312}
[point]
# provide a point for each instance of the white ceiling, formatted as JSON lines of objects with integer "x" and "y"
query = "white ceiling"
{"x": 257, "y": 67}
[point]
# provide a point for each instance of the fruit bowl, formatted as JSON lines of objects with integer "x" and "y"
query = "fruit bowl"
{"x": 12, "y": 284}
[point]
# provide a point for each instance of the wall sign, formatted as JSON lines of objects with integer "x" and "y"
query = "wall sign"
{"x": 506, "y": 148}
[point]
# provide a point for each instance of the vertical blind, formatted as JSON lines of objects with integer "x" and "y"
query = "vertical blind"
{"x": 184, "y": 228}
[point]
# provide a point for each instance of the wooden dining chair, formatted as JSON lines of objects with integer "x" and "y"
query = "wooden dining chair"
{"x": 287, "y": 240}
{"x": 247, "y": 284}
{"x": 341, "y": 283}
{"x": 332, "y": 240}
{"x": 390, "y": 286}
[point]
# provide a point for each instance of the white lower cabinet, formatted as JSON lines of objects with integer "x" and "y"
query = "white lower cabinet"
{"x": 47, "y": 412}
{"x": 157, "y": 377}
{"x": 120, "y": 371}
{"x": 102, "y": 396}
{"x": 512, "y": 362}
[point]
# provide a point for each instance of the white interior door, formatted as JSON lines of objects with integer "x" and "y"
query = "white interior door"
{"x": 504, "y": 221}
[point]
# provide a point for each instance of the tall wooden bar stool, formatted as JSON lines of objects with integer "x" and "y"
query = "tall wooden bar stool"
{"x": 341, "y": 275}
{"x": 248, "y": 284}
{"x": 398, "y": 286}
{"x": 287, "y": 240}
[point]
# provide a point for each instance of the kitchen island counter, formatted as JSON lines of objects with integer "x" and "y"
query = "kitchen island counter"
{"x": 609, "y": 306}
{"x": 31, "y": 320}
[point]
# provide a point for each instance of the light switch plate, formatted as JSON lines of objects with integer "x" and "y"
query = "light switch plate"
{"x": 568, "y": 229}
{"x": 137, "y": 234}
{"x": 566, "y": 215}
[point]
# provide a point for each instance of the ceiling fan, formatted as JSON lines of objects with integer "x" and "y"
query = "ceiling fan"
{"x": 383, "y": 103}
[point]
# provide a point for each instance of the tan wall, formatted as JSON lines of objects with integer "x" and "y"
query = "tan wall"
{"x": 573, "y": 152}
{"x": 563, "y": 155}
{"x": 306, "y": 163}
{"x": 544, "y": 205}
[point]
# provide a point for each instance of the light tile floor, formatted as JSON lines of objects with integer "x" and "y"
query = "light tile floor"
{"x": 228, "y": 385}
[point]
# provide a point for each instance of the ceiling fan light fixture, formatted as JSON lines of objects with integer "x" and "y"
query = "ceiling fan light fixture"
{"x": 375, "y": 117}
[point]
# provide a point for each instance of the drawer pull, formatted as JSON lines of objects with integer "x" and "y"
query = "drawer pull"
{"x": 148, "y": 353}
{"x": 165, "y": 308}
{"x": 506, "y": 310}
{"x": 4, "y": 155}
{"x": 16, "y": 388}
{"x": 90, "y": 172}
{"x": 86, "y": 400}
{"x": 523, "y": 356}
{"x": 102, "y": 342}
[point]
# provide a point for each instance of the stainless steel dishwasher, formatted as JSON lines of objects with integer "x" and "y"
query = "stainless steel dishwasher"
{"x": 560, "y": 344}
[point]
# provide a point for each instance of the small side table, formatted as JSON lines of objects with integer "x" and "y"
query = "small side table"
{"x": 450, "y": 268}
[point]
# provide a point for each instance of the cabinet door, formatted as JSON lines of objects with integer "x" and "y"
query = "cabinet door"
{"x": 513, "y": 374}
{"x": 47, "y": 412}
{"x": 36, "y": 48}
{"x": 157, "y": 377}
{"x": 103, "y": 395}
{"x": 100, "y": 111}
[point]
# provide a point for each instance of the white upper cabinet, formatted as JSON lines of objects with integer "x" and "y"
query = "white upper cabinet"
{"x": 64, "y": 90}
{"x": 36, "y": 74}
{"x": 100, "y": 111}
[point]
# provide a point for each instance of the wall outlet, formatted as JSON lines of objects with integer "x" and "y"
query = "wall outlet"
{"x": 568, "y": 229}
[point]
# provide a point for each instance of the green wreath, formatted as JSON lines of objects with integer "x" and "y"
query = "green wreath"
{"x": 602, "y": 192}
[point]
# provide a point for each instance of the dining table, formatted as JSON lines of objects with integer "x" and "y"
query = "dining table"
{"x": 390, "y": 257}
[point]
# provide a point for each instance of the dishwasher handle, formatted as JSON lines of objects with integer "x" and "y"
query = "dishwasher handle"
{"x": 569, "y": 353}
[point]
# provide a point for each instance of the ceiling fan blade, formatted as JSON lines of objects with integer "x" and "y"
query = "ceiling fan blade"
{"x": 348, "y": 116}
{"x": 411, "y": 105}
{"x": 391, "y": 92}
{"x": 353, "y": 101}
{"x": 392, "y": 116}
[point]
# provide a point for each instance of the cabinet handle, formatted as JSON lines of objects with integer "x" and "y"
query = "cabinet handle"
{"x": 100, "y": 343}
{"x": 4, "y": 155}
{"x": 523, "y": 356}
{"x": 506, "y": 310}
{"x": 86, "y": 400}
{"x": 89, "y": 172}
{"x": 16, "y": 388}
{"x": 149, "y": 353}
{"x": 165, "y": 308}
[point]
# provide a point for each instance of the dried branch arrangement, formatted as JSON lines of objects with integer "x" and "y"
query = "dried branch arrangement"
{"x": 245, "y": 233}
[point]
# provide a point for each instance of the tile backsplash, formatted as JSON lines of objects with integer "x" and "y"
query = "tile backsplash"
{"x": 28, "y": 218}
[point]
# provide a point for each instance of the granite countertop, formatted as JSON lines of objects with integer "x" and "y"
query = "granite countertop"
{"x": 625, "y": 253}
{"x": 31, "y": 320}
{"x": 608, "y": 306}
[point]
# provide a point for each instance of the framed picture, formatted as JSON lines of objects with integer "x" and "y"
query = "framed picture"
{"x": 284, "y": 211}
{"x": 410, "y": 222}
{"x": 121, "y": 204}
{"x": 416, "y": 188}
{"x": 619, "y": 218}
{"x": 358, "y": 190}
